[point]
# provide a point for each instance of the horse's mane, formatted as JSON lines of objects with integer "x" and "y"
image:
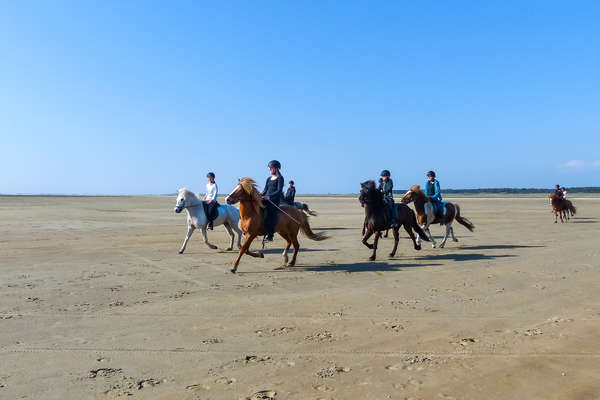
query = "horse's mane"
{"x": 369, "y": 191}
{"x": 416, "y": 189}
{"x": 249, "y": 186}
{"x": 187, "y": 194}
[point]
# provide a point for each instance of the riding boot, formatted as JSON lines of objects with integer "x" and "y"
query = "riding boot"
{"x": 210, "y": 224}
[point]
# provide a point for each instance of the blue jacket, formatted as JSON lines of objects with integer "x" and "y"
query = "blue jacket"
{"x": 436, "y": 195}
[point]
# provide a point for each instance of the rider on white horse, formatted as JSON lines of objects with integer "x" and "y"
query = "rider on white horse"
{"x": 210, "y": 199}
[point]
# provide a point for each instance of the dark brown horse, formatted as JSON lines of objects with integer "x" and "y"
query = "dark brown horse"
{"x": 289, "y": 221}
{"x": 561, "y": 207}
{"x": 377, "y": 221}
{"x": 426, "y": 215}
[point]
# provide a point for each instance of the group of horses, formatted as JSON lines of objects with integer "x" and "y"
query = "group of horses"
{"x": 294, "y": 218}
{"x": 561, "y": 207}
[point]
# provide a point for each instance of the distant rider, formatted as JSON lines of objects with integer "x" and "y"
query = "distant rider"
{"x": 290, "y": 194}
{"x": 210, "y": 200}
{"x": 432, "y": 190}
{"x": 385, "y": 187}
{"x": 272, "y": 194}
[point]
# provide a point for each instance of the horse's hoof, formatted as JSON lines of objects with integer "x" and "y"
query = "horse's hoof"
{"x": 233, "y": 270}
{"x": 180, "y": 251}
{"x": 372, "y": 258}
{"x": 442, "y": 246}
{"x": 391, "y": 255}
{"x": 229, "y": 249}
{"x": 433, "y": 246}
{"x": 261, "y": 255}
{"x": 418, "y": 247}
{"x": 214, "y": 247}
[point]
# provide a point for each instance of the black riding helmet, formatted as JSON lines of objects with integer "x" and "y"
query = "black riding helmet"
{"x": 274, "y": 164}
{"x": 210, "y": 175}
{"x": 385, "y": 172}
{"x": 431, "y": 173}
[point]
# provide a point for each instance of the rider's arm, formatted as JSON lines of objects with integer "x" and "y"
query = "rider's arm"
{"x": 437, "y": 189}
{"x": 211, "y": 192}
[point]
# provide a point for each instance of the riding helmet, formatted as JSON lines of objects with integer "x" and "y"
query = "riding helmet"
{"x": 431, "y": 173}
{"x": 292, "y": 182}
{"x": 210, "y": 175}
{"x": 274, "y": 164}
{"x": 385, "y": 172}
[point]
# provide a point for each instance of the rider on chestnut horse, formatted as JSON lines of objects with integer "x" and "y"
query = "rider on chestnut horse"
{"x": 432, "y": 190}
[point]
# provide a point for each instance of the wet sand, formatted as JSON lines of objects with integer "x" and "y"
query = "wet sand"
{"x": 97, "y": 303}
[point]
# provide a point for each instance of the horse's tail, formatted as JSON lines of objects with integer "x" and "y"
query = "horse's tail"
{"x": 305, "y": 227}
{"x": 416, "y": 227}
{"x": 572, "y": 209}
{"x": 462, "y": 220}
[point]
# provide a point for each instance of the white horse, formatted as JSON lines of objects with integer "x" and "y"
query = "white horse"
{"x": 229, "y": 216}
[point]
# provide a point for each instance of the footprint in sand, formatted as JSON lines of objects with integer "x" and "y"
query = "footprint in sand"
{"x": 263, "y": 395}
{"x": 323, "y": 388}
{"x": 225, "y": 380}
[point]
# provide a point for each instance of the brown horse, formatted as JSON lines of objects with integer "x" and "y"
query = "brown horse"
{"x": 561, "y": 207}
{"x": 289, "y": 221}
{"x": 426, "y": 215}
{"x": 377, "y": 221}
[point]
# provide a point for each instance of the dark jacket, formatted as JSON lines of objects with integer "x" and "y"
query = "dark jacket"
{"x": 274, "y": 189}
{"x": 289, "y": 196}
{"x": 386, "y": 187}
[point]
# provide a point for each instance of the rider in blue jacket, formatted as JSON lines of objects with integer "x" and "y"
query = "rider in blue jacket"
{"x": 432, "y": 190}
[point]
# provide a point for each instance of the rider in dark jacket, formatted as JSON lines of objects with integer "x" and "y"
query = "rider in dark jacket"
{"x": 385, "y": 186}
{"x": 290, "y": 194}
{"x": 272, "y": 194}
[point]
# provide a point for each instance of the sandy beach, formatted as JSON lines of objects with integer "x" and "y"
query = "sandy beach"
{"x": 96, "y": 303}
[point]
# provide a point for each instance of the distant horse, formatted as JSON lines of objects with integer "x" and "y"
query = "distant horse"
{"x": 289, "y": 221}
{"x": 426, "y": 215}
{"x": 301, "y": 207}
{"x": 229, "y": 217}
{"x": 561, "y": 207}
{"x": 376, "y": 220}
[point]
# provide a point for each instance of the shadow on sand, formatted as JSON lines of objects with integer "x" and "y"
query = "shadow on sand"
{"x": 363, "y": 267}
{"x": 332, "y": 229}
{"x": 291, "y": 250}
{"x": 464, "y": 257}
{"x": 497, "y": 246}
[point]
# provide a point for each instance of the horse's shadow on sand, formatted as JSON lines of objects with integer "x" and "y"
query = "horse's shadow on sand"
{"x": 497, "y": 246}
{"x": 362, "y": 267}
{"x": 583, "y": 220}
{"x": 464, "y": 257}
{"x": 291, "y": 250}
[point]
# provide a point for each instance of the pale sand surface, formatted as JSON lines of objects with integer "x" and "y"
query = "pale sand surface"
{"x": 95, "y": 302}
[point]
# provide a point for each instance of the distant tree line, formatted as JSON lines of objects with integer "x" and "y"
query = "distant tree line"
{"x": 583, "y": 189}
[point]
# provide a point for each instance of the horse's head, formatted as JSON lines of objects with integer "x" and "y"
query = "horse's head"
{"x": 245, "y": 191}
{"x": 368, "y": 192}
{"x": 180, "y": 202}
{"x": 414, "y": 192}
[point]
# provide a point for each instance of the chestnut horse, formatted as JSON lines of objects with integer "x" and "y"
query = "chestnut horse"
{"x": 561, "y": 207}
{"x": 376, "y": 221}
{"x": 426, "y": 215}
{"x": 289, "y": 221}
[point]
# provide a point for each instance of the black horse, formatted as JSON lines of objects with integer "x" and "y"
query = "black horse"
{"x": 378, "y": 220}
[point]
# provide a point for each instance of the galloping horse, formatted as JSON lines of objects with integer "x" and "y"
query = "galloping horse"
{"x": 561, "y": 207}
{"x": 290, "y": 220}
{"x": 426, "y": 215}
{"x": 228, "y": 216}
{"x": 376, "y": 222}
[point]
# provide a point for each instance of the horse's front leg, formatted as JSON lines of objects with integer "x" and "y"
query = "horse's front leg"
{"x": 211, "y": 246}
{"x": 187, "y": 237}
{"x": 416, "y": 240}
{"x": 366, "y": 237}
{"x": 242, "y": 251}
{"x": 375, "y": 241}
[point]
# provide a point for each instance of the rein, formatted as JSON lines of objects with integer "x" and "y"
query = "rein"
{"x": 276, "y": 206}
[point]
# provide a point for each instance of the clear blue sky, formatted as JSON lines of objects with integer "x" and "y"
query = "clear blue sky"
{"x": 143, "y": 97}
